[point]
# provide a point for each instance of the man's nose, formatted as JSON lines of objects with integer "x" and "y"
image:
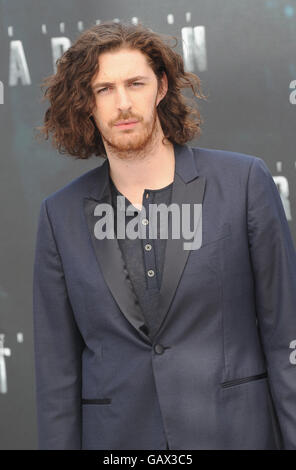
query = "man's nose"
{"x": 123, "y": 99}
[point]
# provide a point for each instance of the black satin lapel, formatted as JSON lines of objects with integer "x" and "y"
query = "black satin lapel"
{"x": 110, "y": 260}
{"x": 175, "y": 255}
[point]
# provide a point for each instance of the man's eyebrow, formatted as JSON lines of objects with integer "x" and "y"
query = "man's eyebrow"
{"x": 132, "y": 79}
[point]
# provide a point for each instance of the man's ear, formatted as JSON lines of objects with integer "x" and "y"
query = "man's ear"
{"x": 163, "y": 88}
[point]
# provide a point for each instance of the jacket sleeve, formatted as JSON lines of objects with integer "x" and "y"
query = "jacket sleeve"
{"x": 274, "y": 267}
{"x": 58, "y": 347}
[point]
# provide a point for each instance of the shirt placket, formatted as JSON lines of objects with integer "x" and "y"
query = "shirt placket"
{"x": 148, "y": 242}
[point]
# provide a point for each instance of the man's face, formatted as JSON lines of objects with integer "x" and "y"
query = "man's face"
{"x": 126, "y": 88}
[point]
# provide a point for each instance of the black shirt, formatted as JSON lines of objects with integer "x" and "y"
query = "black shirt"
{"x": 144, "y": 257}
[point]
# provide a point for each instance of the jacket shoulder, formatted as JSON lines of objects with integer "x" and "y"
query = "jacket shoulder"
{"x": 74, "y": 189}
{"x": 223, "y": 159}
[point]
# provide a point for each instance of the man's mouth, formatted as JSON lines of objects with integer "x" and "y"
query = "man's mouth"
{"x": 126, "y": 124}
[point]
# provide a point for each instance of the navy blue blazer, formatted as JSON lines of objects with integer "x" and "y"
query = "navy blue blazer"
{"x": 220, "y": 372}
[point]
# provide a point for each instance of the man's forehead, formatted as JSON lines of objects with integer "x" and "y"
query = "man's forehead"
{"x": 122, "y": 64}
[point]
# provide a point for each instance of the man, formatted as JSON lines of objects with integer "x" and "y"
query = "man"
{"x": 139, "y": 342}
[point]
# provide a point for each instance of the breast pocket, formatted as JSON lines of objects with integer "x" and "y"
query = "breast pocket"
{"x": 205, "y": 258}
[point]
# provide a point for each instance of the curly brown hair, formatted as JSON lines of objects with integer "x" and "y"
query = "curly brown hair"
{"x": 72, "y": 99}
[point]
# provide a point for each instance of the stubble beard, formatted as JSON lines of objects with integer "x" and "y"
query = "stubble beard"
{"x": 135, "y": 146}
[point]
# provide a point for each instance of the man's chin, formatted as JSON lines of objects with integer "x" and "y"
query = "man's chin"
{"x": 128, "y": 145}
{"x": 129, "y": 148}
{"x": 132, "y": 142}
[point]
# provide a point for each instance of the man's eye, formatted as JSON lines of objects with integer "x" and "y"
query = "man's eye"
{"x": 102, "y": 89}
{"x": 106, "y": 88}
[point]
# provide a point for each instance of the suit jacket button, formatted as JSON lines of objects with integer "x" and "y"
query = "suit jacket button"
{"x": 158, "y": 348}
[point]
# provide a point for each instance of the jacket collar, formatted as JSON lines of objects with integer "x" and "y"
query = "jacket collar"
{"x": 184, "y": 166}
{"x": 188, "y": 188}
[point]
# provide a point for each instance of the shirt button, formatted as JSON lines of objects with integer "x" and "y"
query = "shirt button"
{"x": 158, "y": 348}
{"x": 150, "y": 272}
{"x": 147, "y": 195}
{"x": 144, "y": 221}
{"x": 148, "y": 247}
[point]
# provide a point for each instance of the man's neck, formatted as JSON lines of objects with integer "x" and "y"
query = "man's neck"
{"x": 153, "y": 171}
